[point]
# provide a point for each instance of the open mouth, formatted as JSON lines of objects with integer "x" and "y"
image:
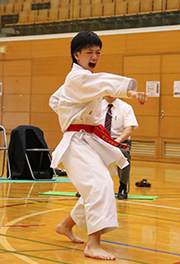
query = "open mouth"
{"x": 92, "y": 65}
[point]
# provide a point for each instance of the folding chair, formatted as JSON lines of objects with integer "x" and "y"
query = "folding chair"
{"x": 29, "y": 155}
{"x": 4, "y": 148}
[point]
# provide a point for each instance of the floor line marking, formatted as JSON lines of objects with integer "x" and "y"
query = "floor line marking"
{"x": 149, "y": 217}
{"x": 149, "y": 249}
{"x": 33, "y": 250}
{"x": 40, "y": 198}
{"x": 21, "y": 252}
{"x": 36, "y": 257}
{"x": 152, "y": 205}
{"x": 40, "y": 242}
{"x": 75, "y": 198}
{"x": 66, "y": 248}
{"x": 4, "y": 230}
{"x": 11, "y": 205}
{"x": 154, "y": 210}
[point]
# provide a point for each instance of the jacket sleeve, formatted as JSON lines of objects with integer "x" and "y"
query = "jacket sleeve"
{"x": 85, "y": 86}
{"x": 54, "y": 100}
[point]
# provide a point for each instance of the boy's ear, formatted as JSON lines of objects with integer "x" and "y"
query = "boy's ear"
{"x": 76, "y": 55}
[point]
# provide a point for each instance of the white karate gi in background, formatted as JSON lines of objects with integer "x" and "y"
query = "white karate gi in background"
{"x": 84, "y": 155}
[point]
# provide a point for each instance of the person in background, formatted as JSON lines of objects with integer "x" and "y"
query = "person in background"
{"x": 119, "y": 119}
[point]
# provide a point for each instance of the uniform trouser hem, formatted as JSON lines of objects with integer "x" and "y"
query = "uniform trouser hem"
{"x": 105, "y": 228}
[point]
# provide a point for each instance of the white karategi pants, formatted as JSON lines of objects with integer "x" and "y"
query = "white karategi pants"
{"x": 96, "y": 208}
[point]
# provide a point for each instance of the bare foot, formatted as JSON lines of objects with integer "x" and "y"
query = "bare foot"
{"x": 60, "y": 229}
{"x": 98, "y": 253}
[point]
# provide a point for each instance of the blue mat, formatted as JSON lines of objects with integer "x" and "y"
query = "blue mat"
{"x": 59, "y": 179}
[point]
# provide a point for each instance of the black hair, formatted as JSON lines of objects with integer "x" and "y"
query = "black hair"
{"x": 82, "y": 40}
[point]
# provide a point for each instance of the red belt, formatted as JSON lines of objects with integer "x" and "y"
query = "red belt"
{"x": 100, "y": 131}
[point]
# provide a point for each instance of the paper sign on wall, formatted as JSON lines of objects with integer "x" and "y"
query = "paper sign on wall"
{"x": 176, "y": 92}
{"x": 153, "y": 88}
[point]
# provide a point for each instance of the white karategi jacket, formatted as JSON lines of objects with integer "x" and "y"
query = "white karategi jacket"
{"x": 85, "y": 156}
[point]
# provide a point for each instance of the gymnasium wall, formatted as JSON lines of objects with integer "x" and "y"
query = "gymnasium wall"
{"x": 33, "y": 68}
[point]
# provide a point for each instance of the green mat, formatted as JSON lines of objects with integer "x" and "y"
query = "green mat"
{"x": 140, "y": 197}
{"x": 59, "y": 193}
{"x": 59, "y": 179}
{"x": 135, "y": 197}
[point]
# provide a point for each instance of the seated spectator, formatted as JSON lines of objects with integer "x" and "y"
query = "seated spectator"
{"x": 119, "y": 119}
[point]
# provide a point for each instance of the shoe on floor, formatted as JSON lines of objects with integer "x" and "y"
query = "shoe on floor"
{"x": 60, "y": 172}
{"x": 122, "y": 194}
{"x": 78, "y": 194}
{"x": 143, "y": 183}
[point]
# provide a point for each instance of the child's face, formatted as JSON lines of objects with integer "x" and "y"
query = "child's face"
{"x": 88, "y": 58}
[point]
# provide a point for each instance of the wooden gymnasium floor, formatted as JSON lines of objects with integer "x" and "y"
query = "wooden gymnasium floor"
{"x": 149, "y": 230}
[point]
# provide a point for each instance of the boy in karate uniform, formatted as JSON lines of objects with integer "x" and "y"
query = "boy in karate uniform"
{"x": 86, "y": 156}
